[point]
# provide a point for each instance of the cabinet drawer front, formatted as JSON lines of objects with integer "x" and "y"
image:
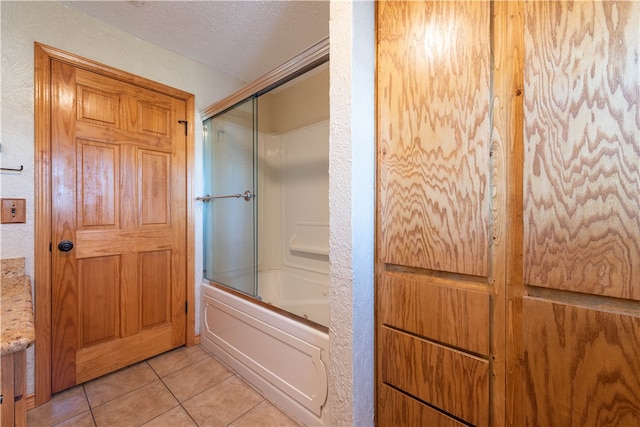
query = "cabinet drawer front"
{"x": 398, "y": 409}
{"x": 449, "y": 315}
{"x": 450, "y": 380}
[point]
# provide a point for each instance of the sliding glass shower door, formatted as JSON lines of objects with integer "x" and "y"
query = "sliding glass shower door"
{"x": 230, "y": 204}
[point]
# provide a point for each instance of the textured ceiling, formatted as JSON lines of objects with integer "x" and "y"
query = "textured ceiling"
{"x": 244, "y": 39}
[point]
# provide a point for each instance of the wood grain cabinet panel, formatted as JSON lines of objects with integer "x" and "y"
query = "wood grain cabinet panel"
{"x": 453, "y": 316}
{"x": 582, "y": 366}
{"x": 433, "y": 134}
{"x": 450, "y": 380}
{"x": 581, "y": 215}
{"x": 398, "y": 409}
{"x": 582, "y": 147}
{"x": 13, "y": 381}
{"x": 434, "y": 192}
{"x": 508, "y": 212}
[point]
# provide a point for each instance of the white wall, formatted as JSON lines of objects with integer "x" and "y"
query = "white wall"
{"x": 305, "y": 194}
{"x": 294, "y": 199}
{"x": 293, "y": 179}
{"x": 352, "y": 206}
{"x": 23, "y": 23}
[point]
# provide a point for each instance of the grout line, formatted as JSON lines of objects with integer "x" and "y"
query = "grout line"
{"x": 247, "y": 411}
{"x": 168, "y": 410}
{"x": 232, "y": 374}
{"x": 140, "y": 385}
{"x": 170, "y": 392}
{"x": 93, "y": 418}
{"x": 183, "y": 348}
{"x": 204, "y": 391}
{"x": 189, "y": 415}
{"x": 176, "y": 398}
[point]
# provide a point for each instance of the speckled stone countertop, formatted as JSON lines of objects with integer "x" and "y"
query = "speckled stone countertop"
{"x": 16, "y": 320}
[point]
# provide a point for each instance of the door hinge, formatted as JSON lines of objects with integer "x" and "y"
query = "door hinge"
{"x": 49, "y": 246}
{"x": 186, "y": 125}
{"x": 186, "y": 307}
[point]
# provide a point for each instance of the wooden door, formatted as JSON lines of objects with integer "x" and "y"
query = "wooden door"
{"x": 118, "y": 161}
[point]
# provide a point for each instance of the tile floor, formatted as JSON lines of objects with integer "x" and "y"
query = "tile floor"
{"x": 183, "y": 387}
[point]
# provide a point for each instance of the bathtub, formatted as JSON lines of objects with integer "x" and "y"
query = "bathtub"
{"x": 284, "y": 358}
{"x": 304, "y": 295}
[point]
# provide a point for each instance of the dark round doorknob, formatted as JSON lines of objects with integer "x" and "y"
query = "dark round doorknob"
{"x": 65, "y": 245}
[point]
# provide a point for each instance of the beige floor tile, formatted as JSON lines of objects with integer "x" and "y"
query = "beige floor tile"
{"x": 223, "y": 403}
{"x": 265, "y": 414}
{"x": 177, "y": 359}
{"x": 136, "y": 407}
{"x": 192, "y": 380}
{"x": 109, "y": 387}
{"x": 83, "y": 420}
{"x": 61, "y": 407}
{"x": 177, "y": 417}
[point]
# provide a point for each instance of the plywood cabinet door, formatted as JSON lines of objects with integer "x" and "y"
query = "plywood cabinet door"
{"x": 434, "y": 83}
{"x": 508, "y": 213}
{"x": 581, "y": 309}
{"x": 434, "y": 177}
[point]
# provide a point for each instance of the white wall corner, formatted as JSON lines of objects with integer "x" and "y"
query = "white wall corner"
{"x": 352, "y": 207}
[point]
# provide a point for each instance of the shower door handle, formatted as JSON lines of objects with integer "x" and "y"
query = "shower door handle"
{"x": 247, "y": 195}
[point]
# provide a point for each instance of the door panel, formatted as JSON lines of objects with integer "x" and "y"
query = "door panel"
{"x": 230, "y": 222}
{"x": 153, "y": 119}
{"x": 155, "y": 286}
{"x": 119, "y": 194}
{"x": 97, "y": 106}
{"x": 155, "y": 187}
{"x": 98, "y": 193}
{"x": 108, "y": 356}
{"x": 98, "y": 285}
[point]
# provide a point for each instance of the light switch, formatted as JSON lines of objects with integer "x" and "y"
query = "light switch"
{"x": 14, "y": 211}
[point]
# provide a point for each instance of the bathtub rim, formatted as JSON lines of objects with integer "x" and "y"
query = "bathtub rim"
{"x": 270, "y": 307}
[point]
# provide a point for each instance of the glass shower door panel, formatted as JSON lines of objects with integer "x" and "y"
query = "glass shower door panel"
{"x": 230, "y": 221}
